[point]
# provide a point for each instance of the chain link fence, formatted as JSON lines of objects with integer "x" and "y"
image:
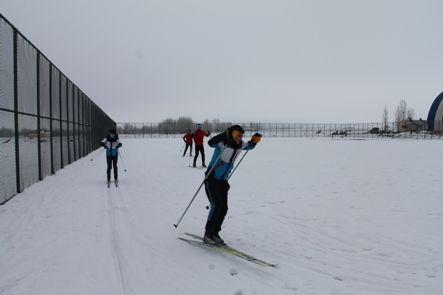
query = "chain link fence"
{"x": 46, "y": 121}
{"x": 406, "y": 129}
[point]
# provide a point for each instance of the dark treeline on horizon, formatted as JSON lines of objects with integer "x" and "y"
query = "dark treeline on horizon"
{"x": 170, "y": 125}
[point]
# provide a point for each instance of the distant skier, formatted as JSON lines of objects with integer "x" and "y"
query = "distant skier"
{"x": 199, "y": 135}
{"x": 111, "y": 143}
{"x": 187, "y": 138}
{"x": 228, "y": 145}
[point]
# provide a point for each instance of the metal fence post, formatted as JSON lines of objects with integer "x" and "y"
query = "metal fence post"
{"x": 39, "y": 148}
{"x": 79, "y": 126}
{"x": 51, "y": 127}
{"x": 67, "y": 120}
{"x": 17, "y": 149}
{"x": 60, "y": 119}
{"x": 73, "y": 123}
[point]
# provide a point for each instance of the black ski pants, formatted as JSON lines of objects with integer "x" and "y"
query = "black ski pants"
{"x": 199, "y": 148}
{"x": 190, "y": 149}
{"x": 112, "y": 163}
{"x": 217, "y": 193}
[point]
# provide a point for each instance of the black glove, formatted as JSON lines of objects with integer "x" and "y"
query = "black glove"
{"x": 119, "y": 145}
{"x": 209, "y": 133}
{"x": 256, "y": 138}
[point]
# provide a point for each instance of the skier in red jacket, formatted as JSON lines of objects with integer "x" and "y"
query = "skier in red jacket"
{"x": 199, "y": 135}
{"x": 187, "y": 138}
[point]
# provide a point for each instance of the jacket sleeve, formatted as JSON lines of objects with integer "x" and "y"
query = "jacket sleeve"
{"x": 217, "y": 139}
{"x": 248, "y": 145}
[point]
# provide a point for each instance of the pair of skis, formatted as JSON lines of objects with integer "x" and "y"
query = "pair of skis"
{"x": 198, "y": 241}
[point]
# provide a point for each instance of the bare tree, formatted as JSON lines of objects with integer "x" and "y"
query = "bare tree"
{"x": 385, "y": 118}
{"x": 128, "y": 128}
{"x": 207, "y": 125}
{"x": 167, "y": 126}
{"x": 171, "y": 126}
{"x": 401, "y": 113}
{"x": 184, "y": 124}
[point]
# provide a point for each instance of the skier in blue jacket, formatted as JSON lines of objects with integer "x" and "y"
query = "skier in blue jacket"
{"x": 111, "y": 143}
{"x": 228, "y": 145}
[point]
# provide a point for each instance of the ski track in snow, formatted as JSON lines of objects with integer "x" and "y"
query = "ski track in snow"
{"x": 339, "y": 217}
{"x": 119, "y": 259}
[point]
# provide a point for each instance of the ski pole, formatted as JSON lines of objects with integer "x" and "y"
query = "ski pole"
{"x": 237, "y": 165}
{"x": 240, "y": 160}
{"x": 92, "y": 159}
{"x": 192, "y": 200}
{"x": 121, "y": 158}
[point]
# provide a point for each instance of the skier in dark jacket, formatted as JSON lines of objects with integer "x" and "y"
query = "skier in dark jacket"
{"x": 187, "y": 138}
{"x": 199, "y": 135}
{"x": 228, "y": 145}
{"x": 111, "y": 143}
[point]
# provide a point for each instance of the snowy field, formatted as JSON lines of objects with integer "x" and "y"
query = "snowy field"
{"x": 338, "y": 216}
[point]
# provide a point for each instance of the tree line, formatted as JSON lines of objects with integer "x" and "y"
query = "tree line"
{"x": 171, "y": 126}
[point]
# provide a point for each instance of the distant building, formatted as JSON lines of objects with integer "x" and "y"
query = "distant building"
{"x": 412, "y": 125}
{"x": 435, "y": 115}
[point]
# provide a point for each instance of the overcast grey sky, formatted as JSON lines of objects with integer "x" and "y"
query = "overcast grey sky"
{"x": 243, "y": 60}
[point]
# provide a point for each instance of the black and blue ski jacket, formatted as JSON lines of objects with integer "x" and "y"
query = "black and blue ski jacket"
{"x": 111, "y": 144}
{"x": 225, "y": 153}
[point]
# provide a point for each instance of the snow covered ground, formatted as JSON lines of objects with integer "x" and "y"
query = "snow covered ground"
{"x": 338, "y": 216}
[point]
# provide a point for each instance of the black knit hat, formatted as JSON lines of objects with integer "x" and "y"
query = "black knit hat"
{"x": 237, "y": 128}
